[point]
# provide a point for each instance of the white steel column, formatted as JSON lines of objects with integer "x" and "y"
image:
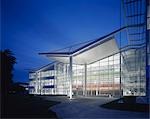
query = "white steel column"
{"x": 70, "y": 76}
{"x": 37, "y": 83}
{"x": 85, "y": 79}
{"x": 40, "y": 82}
{"x": 55, "y": 79}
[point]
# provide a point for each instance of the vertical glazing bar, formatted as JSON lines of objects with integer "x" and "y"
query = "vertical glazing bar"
{"x": 108, "y": 80}
{"x": 54, "y": 78}
{"x": 37, "y": 84}
{"x": 99, "y": 78}
{"x": 70, "y": 77}
{"x": 120, "y": 76}
{"x": 85, "y": 78}
{"x": 40, "y": 83}
{"x": 113, "y": 79}
{"x": 98, "y": 70}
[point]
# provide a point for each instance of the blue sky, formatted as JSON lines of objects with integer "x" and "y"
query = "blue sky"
{"x": 33, "y": 26}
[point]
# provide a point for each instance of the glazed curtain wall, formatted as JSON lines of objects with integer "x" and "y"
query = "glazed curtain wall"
{"x": 42, "y": 82}
{"x": 62, "y": 79}
{"x": 133, "y": 72}
{"x": 112, "y": 77}
{"x": 78, "y": 79}
{"x": 63, "y": 82}
{"x": 103, "y": 77}
{"x": 106, "y": 77}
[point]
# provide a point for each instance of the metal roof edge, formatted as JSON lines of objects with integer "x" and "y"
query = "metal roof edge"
{"x": 85, "y": 46}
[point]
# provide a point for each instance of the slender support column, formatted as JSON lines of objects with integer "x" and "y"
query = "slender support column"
{"x": 96, "y": 92}
{"x": 85, "y": 79}
{"x": 55, "y": 79}
{"x": 39, "y": 73}
{"x": 120, "y": 81}
{"x": 36, "y": 87}
{"x": 37, "y": 83}
{"x": 70, "y": 76}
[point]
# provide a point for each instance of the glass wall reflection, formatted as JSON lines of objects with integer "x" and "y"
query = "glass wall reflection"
{"x": 133, "y": 72}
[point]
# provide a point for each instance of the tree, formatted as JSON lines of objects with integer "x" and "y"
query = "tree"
{"x": 7, "y": 63}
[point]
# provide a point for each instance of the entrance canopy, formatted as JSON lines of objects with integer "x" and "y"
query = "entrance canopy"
{"x": 89, "y": 52}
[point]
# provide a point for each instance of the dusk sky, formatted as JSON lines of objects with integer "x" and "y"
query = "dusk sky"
{"x": 33, "y": 26}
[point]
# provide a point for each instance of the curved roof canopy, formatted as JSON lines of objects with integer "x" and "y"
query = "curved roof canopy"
{"x": 89, "y": 52}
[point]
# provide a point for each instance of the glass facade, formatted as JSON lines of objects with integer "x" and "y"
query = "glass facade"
{"x": 42, "y": 82}
{"x": 78, "y": 80}
{"x": 103, "y": 77}
{"x": 133, "y": 72}
{"x": 112, "y": 76}
{"x": 62, "y": 80}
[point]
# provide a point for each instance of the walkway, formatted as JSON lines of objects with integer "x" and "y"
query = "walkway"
{"x": 88, "y": 108}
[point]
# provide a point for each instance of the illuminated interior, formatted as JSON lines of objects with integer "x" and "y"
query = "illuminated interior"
{"x": 102, "y": 77}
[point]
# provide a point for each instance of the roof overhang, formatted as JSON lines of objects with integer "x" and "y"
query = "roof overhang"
{"x": 85, "y": 55}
